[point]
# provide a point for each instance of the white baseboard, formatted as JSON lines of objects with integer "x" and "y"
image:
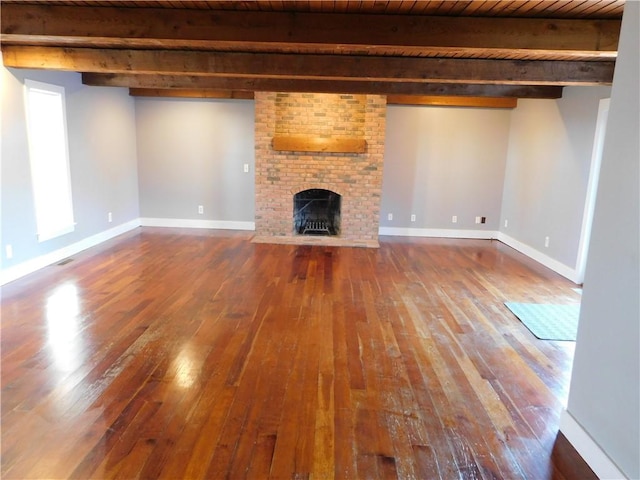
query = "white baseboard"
{"x": 25, "y": 268}
{"x": 190, "y": 223}
{"x": 588, "y": 449}
{"x": 540, "y": 257}
{"x": 438, "y": 233}
{"x": 530, "y": 252}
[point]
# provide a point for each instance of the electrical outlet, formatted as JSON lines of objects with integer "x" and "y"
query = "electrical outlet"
{"x": 246, "y": 168}
{"x": 483, "y": 219}
{"x": 109, "y": 217}
{"x": 454, "y": 219}
{"x": 478, "y": 219}
{"x": 200, "y": 209}
{"x": 413, "y": 217}
{"x": 390, "y": 216}
{"x": 9, "y": 251}
{"x": 546, "y": 242}
{"x": 506, "y": 223}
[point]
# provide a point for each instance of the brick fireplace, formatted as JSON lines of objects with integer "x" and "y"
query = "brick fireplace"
{"x": 308, "y": 141}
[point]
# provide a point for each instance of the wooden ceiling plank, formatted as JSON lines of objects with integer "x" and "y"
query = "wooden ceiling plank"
{"x": 473, "y": 7}
{"x": 498, "y": 8}
{"x": 563, "y": 9}
{"x": 529, "y": 7}
{"x": 320, "y": 86}
{"x": 184, "y": 28}
{"x": 608, "y": 11}
{"x": 405, "y": 6}
{"x": 334, "y": 67}
{"x": 588, "y": 7}
{"x": 432, "y": 7}
{"x": 453, "y": 8}
{"x": 439, "y": 7}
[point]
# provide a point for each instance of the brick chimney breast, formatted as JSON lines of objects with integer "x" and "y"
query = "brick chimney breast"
{"x": 339, "y": 146}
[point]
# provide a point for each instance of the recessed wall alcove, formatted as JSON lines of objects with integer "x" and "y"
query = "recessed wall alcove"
{"x": 308, "y": 121}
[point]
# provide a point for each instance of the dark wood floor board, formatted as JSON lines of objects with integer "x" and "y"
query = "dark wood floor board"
{"x": 291, "y": 452}
{"x": 465, "y": 419}
{"x": 170, "y": 353}
{"x": 430, "y": 393}
{"x": 202, "y": 419}
{"x": 257, "y": 380}
{"x": 551, "y": 361}
{"x": 344, "y": 455}
{"x": 323, "y": 456}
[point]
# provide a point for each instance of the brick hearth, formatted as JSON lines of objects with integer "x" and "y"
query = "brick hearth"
{"x": 355, "y": 176}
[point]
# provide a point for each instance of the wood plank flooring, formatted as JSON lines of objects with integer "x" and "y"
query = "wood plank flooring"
{"x": 198, "y": 354}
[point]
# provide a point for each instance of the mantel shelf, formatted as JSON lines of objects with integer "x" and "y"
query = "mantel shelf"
{"x": 318, "y": 144}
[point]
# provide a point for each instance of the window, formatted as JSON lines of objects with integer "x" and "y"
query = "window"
{"x": 49, "y": 158}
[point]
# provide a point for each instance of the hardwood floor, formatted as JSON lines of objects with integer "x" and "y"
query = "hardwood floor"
{"x": 198, "y": 354}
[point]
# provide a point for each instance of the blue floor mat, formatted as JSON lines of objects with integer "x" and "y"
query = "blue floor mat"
{"x": 546, "y": 321}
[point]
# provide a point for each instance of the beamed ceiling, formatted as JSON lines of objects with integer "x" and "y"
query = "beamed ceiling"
{"x": 469, "y": 48}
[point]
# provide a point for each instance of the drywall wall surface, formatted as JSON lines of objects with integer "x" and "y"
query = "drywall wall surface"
{"x": 605, "y": 387}
{"x": 192, "y": 152}
{"x": 442, "y": 162}
{"x": 102, "y": 157}
{"x": 547, "y": 171}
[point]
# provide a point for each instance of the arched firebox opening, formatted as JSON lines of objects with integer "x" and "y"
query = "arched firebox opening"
{"x": 316, "y": 212}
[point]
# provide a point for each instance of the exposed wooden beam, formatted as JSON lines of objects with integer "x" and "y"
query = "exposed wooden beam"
{"x": 305, "y": 32}
{"x": 329, "y": 67}
{"x": 190, "y": 93}
{"x": 321, "y": 86}
{"x": 484, "y": 102}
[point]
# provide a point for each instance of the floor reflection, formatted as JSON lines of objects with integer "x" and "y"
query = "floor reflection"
{"x": 186, "y": 369}
{"x": 63, "y": 310}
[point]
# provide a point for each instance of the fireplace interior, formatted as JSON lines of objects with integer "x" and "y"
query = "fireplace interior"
{"x": 316, "y": 212}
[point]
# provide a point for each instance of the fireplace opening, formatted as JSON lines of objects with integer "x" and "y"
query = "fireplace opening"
{"x": 316, "y": 212}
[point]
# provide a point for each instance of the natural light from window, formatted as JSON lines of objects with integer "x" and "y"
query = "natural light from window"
{"x": 48, "y": 152}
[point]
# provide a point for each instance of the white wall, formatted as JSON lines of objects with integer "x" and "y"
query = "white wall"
{"x": 102, "y": 155}
{"x": 441, "y": 162}
{"x": 547, "y": 171}
{"x": 192, "y": 152}
{"x": 604, "y": 399}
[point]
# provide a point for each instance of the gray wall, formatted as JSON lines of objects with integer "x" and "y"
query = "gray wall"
{"x": 441, "y": 162}
{"x": 102, "y": 155}
{"x": 605, "y": 386}
{"x": 192, "y": 152}
{"x": 547, "y": 171}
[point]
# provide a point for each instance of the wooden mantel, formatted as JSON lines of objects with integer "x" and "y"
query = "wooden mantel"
{"x": 288, "y": 143}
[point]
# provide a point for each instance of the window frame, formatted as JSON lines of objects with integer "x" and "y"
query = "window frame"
{"x": 69, "y": 223}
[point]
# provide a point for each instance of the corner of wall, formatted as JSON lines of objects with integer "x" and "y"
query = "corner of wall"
{"x": 588, "y": 448}
{"x": 556, "y": 266}
{"x": 25, "y": 268}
